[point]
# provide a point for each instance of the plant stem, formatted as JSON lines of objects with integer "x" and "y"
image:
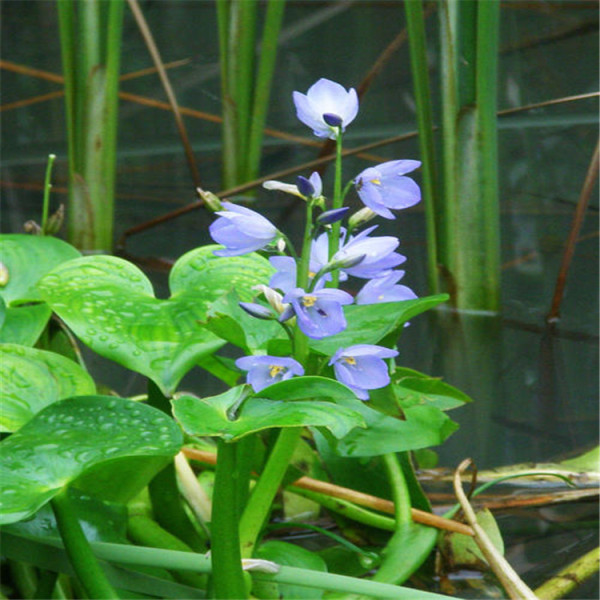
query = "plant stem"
{"x": 47, "y": 188}
{"x": 415, "y": 23}
{"x": 228, "y": 577}
{"x": 259, "y": 505}
{"x": 334, "y": 235}
{"x": 78, "y": 549}
{"x": 400, "y": 493}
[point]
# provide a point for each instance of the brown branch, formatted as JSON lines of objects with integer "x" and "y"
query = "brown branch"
{"x": 336, "y": 491}
{"x": 162, "y": 73}
{"x": 584, "y": 198}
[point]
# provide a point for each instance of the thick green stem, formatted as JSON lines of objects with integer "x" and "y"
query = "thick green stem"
{"x": 259, "y": 506}
{"x": 228, "y": 576}
{"x": 415, "y": 23}
{"x": 400, "y": 493}
{"x": 84, "y": 563}
{"x": 166, "y": 501}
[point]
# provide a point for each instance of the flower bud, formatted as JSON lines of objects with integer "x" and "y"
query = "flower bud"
{"x": 364, "y": 215}
{"x": 213, "y": 202}
{"x": 257, "y": 310}
{"x": 273, "y": 297}
{"x": 305, "y": 187}
{"x": 332, "y": 120}
{"x": 332, "y": 216}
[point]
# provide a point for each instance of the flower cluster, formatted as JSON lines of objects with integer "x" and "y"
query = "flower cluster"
{"x": 303, "y": 292}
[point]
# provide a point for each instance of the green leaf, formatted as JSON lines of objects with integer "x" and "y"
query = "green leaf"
{"x": 24, "y": 324}
{"x": 110, "y": 305}
{"x": 370, "y": 323}
{"x": 27, "y": 258}
{"x": 284, "y": 553}
{"x": 109, "y": 447}
{"x": 32, "y": 379}
{"x": 227, "y": 320}
{"x": 424, "y": 426}
{"x": 412, "y": 387}
{"x": 307, "y": 388}
{"x": 233, "y": 414}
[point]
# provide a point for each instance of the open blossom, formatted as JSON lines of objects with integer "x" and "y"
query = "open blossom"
{"x": 326, "y": 107}
{"x": 377, "y": 252}
{"x": 264, "y": 371}
{"x": 385, "y": 187}
{"x": 241, "y": 230}
{"x": 385, "y": 289}
{"x": 361, "y": 367}
{"x": 319, "y": 313}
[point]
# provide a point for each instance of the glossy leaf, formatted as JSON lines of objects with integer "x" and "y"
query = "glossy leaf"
{"x": 424, "y": 426}
{"x": 27, "y": 258}
{"x": 284, "y": 553}
{"x": 32, "y": 379}
{"x": 227, "y": 320}
{"x": 107, "y": 446}
{"x": 24, "y": 324}
{"x": 110, "y": 305}
{"x": 370, "y": 323}
{"x": 412, "y": 388}
{"x": 232, "y": 415}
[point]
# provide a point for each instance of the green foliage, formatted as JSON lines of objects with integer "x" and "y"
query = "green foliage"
{"x": 32, "y": 379}
{"x": 106, "y": 446}
{"x": 110, "y": 305}
{"x": 235, "y": 413}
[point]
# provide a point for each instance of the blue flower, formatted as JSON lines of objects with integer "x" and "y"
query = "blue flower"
{"x": 319, "y": 312}
{"x": 385, "y": 289}
{"x": 326, "y": 108}
{"x": 362, "y": 368}
{"x": 241, "y": 230}
{"x": 378, "y": 255}
{"x": 384, "y": 187}
{"x": 311, "y": 187}
{"x": 264, "y": 371}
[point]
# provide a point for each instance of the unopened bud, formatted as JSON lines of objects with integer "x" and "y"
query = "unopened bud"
{"x": 305, "y": 187}
{"x": 332, "y": 120}
{"x": 279, "y": 186}
{"x": 288, "y": 313}
{"x": 364, "y": 215}
{"x": 273, "y": 297}
{"x": 332, "y": 216}
{"x": 211, "y": 200}
{"x": 257, "y": 310}
{"x": 55, "y": 221}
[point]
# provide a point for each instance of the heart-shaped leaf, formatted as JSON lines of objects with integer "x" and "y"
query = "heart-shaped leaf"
{"x": 110, "y": 305}
{"x": 109, "y": 447}
{"x": 27, "y": 258}
{"x": 31, "y": 379}
{"x": 24, "y": 324}
{"x": 233, "y": 414}
{"x": 424, "y": 426}
{"x": 370, "y": 323}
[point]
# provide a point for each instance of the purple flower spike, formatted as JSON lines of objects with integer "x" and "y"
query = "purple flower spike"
{"x": 379, "y": 256}
{"x": 384, "y": 187}
{"x": 319, "y": 312}
{"x": 362, "y": 368}
{"x": 326, "y": 102}
{"x": 385, "y": 289}
{"x": 264, "y": 371}
{"x": 241, "y": 230}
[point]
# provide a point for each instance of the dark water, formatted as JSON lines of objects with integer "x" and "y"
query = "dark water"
{"x": 535, "y": 387}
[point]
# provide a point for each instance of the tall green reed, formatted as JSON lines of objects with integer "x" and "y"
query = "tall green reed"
{"x": 90, "y": 36}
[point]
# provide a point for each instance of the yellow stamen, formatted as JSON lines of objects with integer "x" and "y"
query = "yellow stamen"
{"x": 274, "y": 370}
{"x": 309, "y": 301}
{"x": 350, "y": 360}
{"x": 376, "y": 181}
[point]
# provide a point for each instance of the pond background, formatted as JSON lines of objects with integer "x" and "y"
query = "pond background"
{"x": 535, "y": 387}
